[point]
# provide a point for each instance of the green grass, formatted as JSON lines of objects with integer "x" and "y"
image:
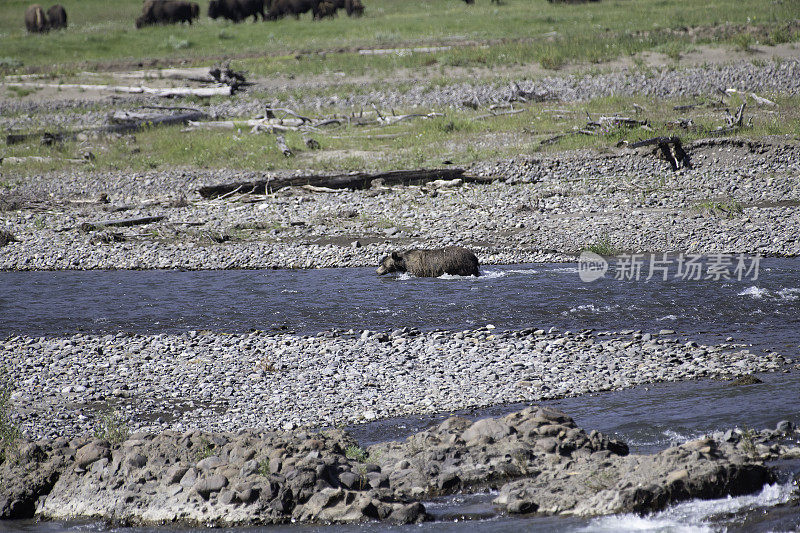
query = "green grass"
{"x": 726, "y": 209}
{"x": 19, "y": 92}
{"x": 112, "y": 427}
{"x": 744, "y": 42}
{"x": 603, "y": 247}
{"x": 458, "y": 137}
{"x": 205, "y": 449}
{"x": 356, "y": 453}
{"x": 533, "y": 30}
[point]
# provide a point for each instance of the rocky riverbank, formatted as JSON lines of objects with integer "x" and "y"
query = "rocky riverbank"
{"x": 739, "y": 197}
{"x": 540, "y": 461}
{"x": 225, "y": 382}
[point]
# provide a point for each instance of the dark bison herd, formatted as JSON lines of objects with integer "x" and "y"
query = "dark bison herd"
{"x": 167, "y": 12}
{"x": 174, "y": 11}
{"x": 37, "y": 21}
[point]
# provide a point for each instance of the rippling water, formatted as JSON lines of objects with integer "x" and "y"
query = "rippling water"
{"x": 763, "y": 313}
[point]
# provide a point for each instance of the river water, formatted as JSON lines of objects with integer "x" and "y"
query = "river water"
{"x": 762, "y": 313}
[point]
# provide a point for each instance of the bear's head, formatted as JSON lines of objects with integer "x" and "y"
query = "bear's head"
{"x": 393, "y": 262}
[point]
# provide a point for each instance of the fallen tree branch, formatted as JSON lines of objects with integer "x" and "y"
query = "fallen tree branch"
{"x": 204, "y": 92}
{"x": 399, "y": 118}
{"x": 499, "y": 113}
{"x": 283, "y": 147}
{"x": 122, "y": 222}
{"x": 328, "y": 122}
{"x": 671, "y": 149}
{"x": 272, "y": 110}
{"x": 654, "y": 140}
{"x": 734, "y": 122}
{"x": 166, "y": 74}
{"x": 762, "y": 101}
{"x": 121, "y": 122}
{"x": 255, "y": 126}
{"x": 169, "y": 108}
{"x": 135, "y": 121}
{"x": 315, "y": 188}
{"x": 554, "y": 138}
{"x": 11, "y": 160}
{"x": 357, "y": 180}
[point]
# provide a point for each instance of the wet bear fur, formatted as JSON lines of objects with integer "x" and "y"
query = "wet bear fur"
{"x": 453, "y": 260}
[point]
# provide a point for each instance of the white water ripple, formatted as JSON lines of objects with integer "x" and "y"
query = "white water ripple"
{"x": 693, "y": 516}
{"x": 788, "y": 294}
{"x": 591, "y": 308}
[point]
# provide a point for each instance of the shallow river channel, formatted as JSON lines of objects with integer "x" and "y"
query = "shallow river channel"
{"x": 762, "y": 313}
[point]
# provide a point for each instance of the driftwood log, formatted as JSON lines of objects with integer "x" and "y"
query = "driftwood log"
{"x": 119, "y": 122}
{"x": 165, "y": 93}
{"x": 121, "y": 223}
{"x": 356, "y": 180}
{"x": 283, "y": 147}
{"x": 130, "y": 121}
{"x": 671, "y": 149}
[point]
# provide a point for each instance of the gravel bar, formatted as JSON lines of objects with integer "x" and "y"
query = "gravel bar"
{"x": 224, "y": 382}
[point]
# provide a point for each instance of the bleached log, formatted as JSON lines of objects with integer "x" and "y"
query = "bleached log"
{"x": 761, "y": 100}
{"x": 255, "y": 126}
{"x": 283, "y": 147}
{"x": 204, "y": 92}
{"x": 499, "y": 113}
{"x": 12, "y": 160}
{"x": 286, "y": 111}
{"x": 164, "y": 74}
{"x": 399, "y": 118}
{"x": 127, "y": 222}
{"x": 137, "y": 120}
{"x": 314, "y": 188}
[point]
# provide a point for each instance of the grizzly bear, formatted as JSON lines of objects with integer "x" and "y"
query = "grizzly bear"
{"x": 453, "y": 260}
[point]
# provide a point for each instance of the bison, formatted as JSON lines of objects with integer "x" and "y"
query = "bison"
{"x": 281, "y": 8}
{"x": 35, "y": 19}
{"x": 237, "y": 10}
{"x": 354, "y": 8}
{"x": 326, "y": 8}
{"x": 167, "y": 12}
{"x": 453, "y": 260}
{"x": 57, "y": 17}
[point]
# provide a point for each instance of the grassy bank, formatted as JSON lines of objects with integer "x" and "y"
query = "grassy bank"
{"x": 461, "y": 137}
{"x": 102, "y": 32}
